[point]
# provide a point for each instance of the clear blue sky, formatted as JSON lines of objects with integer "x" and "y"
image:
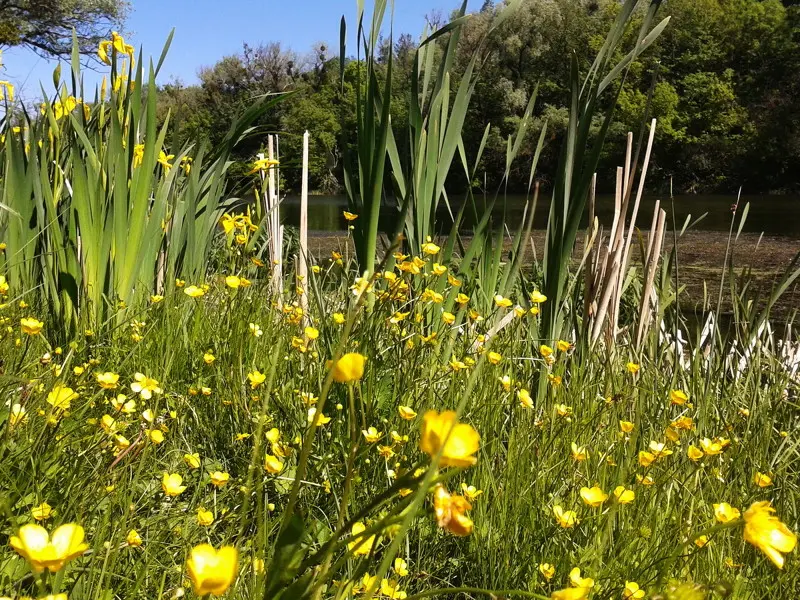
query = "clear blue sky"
{"x": 206, "y": 30}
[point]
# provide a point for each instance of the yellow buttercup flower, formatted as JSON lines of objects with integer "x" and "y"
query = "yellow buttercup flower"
{"x": 349, "y": 368}
{"x": 272, "y": 464}
{"x": 42, "y": 551}
{"x": 725, "y": 513}
{"x": 451, "y": 511}
{"x": 458, "y": 442}
{"x": 42, "y": 512}
{"x": 204, "y": 517}
{"x": 61, "y": 396}
{"x": 371, "y": 434}
{"x": 678, "y": 397}
{"x": 632, "y": 367}
{"x": 626, "y": 426}
{"x": 172, "y": 484}
{"x": 219, "y": 478}
{"x": 133, "y": 538}
{"x": 594, "y": 496}
{"x": 233, "y": 282}
{"x": 502, "y": 302}
{"x": 360, "y": 545}
{"x": 212, "y": 571}
{"x": 406, "y": 412}
{"x": 524, "y": 397}
{"x": 573, "y": 593}
{"x": 193, "y": 291}
{"x": 349, "y": 216}
{"x": 578, "y": 581}
{"x": 623, "y": 495}
{"x": 256, "y": 378}
{"x": 762, "y": 480}
{"x": 537, "y": 297}
{"x": 400, "y": 567}
{"x": 107, "y": 380}
{"x": 579, "y": 453}
{"x": 547, "y": 570}
{"x": 470, "y": 491}
{"x": 563, "y": 345}
{"x": 763, "y": 529}
{"x": 565, "y": 518}
{"x": 546, "y": 351}
{"x": 30, "y": 325}
{"x": 632, "y": 590}
{"x": 694, "y": 453}
{"x": 145, "y": 386}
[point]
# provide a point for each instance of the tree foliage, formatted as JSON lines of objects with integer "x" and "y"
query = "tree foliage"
{"x": 46, "y": 26}
{"x": 722, "y": 81}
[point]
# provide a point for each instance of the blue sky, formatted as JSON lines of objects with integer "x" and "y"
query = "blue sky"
{"x": 206, "y": 30}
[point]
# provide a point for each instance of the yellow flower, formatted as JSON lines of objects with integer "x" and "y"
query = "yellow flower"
{"x": 524, "y": 398}
{"x": 694, "y": 453}
{"x": 762, "y": 480}
{"x": 155, "y": 299}
{"x": 212, "y": 571}
{"x": 107, "y": 380}
{"x": 163, "y": 160}
{"x": 233, "y": 282}
{"x": 17, "y": 415}
{"x": 430, "y": 248}
{"x": 193, "y": 291}
{"x": 133, "y": 538}
{"x": 145, "y": 386}
{"x": 61, "y": 397}
{"x": 42, "y": 551}
{"x": 448, "y": 317}
{"x": 360, "y": 545}
{"x": 372, "y": 435}
{"x": 678, "y": 397}
{"x": 209, "y": 358}
{"x": 450, "y": 512}
{"x": 565, "y": 518}
{"x": 400, "y": 567}
{"x": 219, "y": 478}
{"x": 624, "y": 496}
{"x": 701, "y": 541}
{"x": 6, "y": 90}
{"x": 712, "y": 447}
{"x": 562, "y": 410}
{"x": 632, "y": 367}
{"x": 501, "y": 302}
{"x": 338, "y": 318}
{"x": 537, "y": 297}
{"x": 579, "y": 453}
{"x": 547, "y": 570}
{"x": 646, "y": 459}
{"x": 31, "y": 325}
{"x": 349, "y": 216}
{"x": 573, "y": 593}
{"x": 42, "y": 512}
{"x": 204, "y": 517}
{"x": 594, "y": 496}
{"x": 659, "y": 449}
{"x": 317, "y": 418}
{"x": 632, "y": 590}
{"x": 272, "y": 464}
{"x": 767, "y": 533}
{"x": 406, "y": 412}
{"x": 546, "y": 351}
{"x": 256, "y": 378}
{"x": 494, "y": 357}
{"x": 192, "y": 460}
{"x": 156, "y": 436}
{"x": 458, "y": 442}
{"x": 138, "y": 155}
{"x": 626, "y": 426}
{"x": 4, "y": 287}
{"x": 470, "y": 491}
{"x": 349, "y": 367}
{"x": 725, "y": 513}
{"x": 391, "y": 589}
{"x": 563, "y": 346}
{"x": 577, "y": 581}
{"x": 171, "y": 484}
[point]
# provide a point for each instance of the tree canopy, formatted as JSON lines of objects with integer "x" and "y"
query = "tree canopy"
{"x": 722, "y": 81}
{"x": 46, "y": 26}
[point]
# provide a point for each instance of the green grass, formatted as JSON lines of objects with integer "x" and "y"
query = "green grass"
{"x": 524, "y": 465}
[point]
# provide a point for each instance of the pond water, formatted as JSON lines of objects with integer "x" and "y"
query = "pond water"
{"x": 770, "y": 214}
